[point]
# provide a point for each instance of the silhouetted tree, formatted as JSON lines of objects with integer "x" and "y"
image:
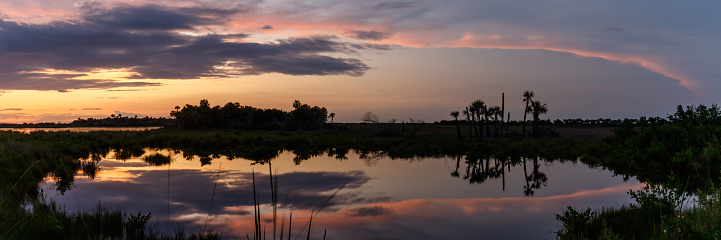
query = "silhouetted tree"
{"x": 468, "y": 119}
{"x": 455, "y": 114}
{"x": 503, "y": 112}
{"x": 527, "y": 98}
{"x": 235, "y": 116}
{"x": 537, "y": 108}
{"x": 370, "y": 117}
{"x": 487, "y": 114}
{"x": 495, "y": 111}
{"x": 308, "y": 117}
{"x": 332, "y": 115}
{"x": 478, "y": 107}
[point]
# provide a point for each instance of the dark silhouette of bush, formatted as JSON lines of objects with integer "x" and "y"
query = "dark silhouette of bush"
{"x": 235, "y": 116}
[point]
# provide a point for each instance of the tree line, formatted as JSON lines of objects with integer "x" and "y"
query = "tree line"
{"x": 479, "y": 115}
{"x": 234, "y": 116}
{"x": 121, "y": 121}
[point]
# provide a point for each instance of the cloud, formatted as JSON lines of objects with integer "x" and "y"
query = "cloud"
{"x": 394, "y": 5}
{"x": 145, "y": 40}
{"x": 12, "y": 109}
{"x": 155, "y": 17}
{"x": 267, "y": 27}
{"x": 92, "y": 109}
{"x": 372, "y": 211}
{"x": 674, "y": 39}
{"x": 61, "y": 83}
{"x": 368, "y": 35}
{"x": 189, "y": 189}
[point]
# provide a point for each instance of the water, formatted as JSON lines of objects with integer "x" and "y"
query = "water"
{"x": 78, "y": 129}
{"x": 432, "y": 198}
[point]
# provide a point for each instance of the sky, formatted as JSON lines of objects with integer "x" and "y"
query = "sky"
{"x": 62, "y": 60}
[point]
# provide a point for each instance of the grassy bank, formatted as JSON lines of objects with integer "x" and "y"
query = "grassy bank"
{"x": 659, "y": 213}
{"x": 678, "y": 158}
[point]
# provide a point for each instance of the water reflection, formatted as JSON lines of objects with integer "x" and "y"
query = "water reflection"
{"x": 79, "y": 129}
{"x": 479, "y": 171}
{"x": 384, "y": 198}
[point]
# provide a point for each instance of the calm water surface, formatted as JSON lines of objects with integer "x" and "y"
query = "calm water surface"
{"x": 431, "y": 198}
{"x": 78, "y": 129}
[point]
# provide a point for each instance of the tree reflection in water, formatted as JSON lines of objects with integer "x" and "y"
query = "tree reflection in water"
{"x": 479, "y": 170}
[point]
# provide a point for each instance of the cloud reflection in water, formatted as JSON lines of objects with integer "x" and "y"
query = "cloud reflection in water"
{"x": 367, "y": 208}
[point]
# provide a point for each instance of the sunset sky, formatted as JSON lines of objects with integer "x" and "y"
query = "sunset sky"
{"x": 63, "y": 59}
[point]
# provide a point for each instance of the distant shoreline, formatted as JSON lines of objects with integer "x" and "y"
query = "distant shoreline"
{"x": 34, "y": 125}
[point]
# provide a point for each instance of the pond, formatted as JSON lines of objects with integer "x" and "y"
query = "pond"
{"x": 383, "y": 198}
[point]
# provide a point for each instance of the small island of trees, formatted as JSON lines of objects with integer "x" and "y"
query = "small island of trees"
{"x": 235, "y": 116}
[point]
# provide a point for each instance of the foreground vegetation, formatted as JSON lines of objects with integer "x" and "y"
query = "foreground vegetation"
{"x": 676, "y": 158}
{"x": 686, "y": 147}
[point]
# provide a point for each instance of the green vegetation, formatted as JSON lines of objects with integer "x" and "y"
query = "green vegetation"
{"x": 676, "y": 158}
{"x": 685, "y": 146}
{"x": 25, "y": 160}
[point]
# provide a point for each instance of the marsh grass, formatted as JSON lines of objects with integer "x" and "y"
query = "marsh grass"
{"x": 658, "y": 214}
{"x": 49, "y": 221}
{"x": 258, "y": 223}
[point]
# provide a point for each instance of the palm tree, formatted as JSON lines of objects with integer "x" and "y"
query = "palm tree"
{"x": 495, "y": 111}
{"x": 332, "y": 115}
{"x": 467, "y": 113}
{"x": 537, "y": 108}
{"x": 479, "y": 107}
{"x": 487, "y": 114}
{"x": 455, "y": 114}
{"x": 527, "y": 98}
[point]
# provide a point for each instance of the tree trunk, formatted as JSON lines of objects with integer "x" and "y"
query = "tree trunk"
{"x": 475, "y": 125}
{"x": 506, "y": 127}
{"x": 458, "y": 128}
{"x": 524, "y": 119}
{"x": 503, "y": 112}
{"x": 468, "y": 119}
{"x": 488, "y": 127}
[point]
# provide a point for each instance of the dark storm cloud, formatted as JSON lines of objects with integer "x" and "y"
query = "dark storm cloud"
{"x": 368, "y": 35}
{"x": 58, "y": 82}
{"x": 369, "y": 211}
{"x": 144, "y": 40}
{"x": 153, "y": 17}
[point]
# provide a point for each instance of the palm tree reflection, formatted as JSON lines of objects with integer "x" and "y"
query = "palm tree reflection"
{"x": 479, "y": 170}
{"x": 535, "y": 180}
